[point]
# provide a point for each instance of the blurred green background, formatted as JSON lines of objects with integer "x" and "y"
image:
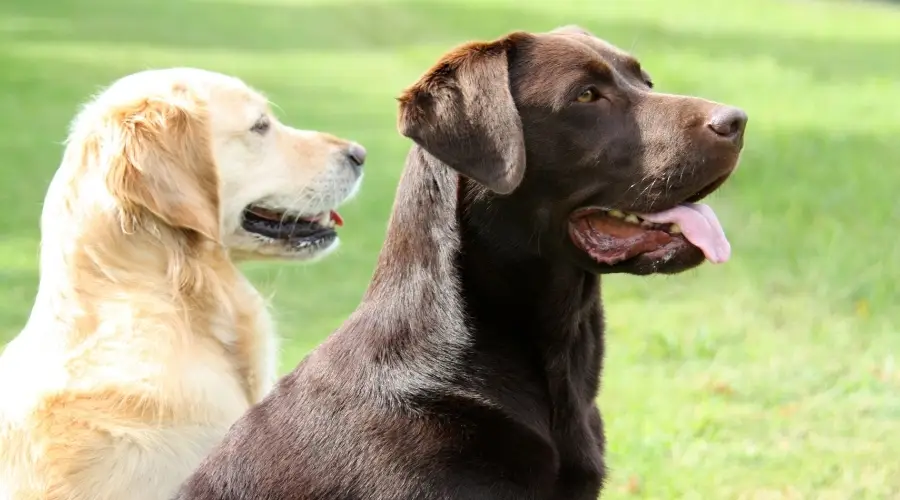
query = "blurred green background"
{"x": 776, "y": 375}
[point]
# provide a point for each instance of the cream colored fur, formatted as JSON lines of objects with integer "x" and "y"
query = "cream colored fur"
{"x": 146, "y": 342}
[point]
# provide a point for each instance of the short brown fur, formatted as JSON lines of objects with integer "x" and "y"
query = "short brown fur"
{"x": 471, "y": 367}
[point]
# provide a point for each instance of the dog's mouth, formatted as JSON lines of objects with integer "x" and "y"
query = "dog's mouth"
{"x": 289, "y": 226}
{"x": 611, "y": 236}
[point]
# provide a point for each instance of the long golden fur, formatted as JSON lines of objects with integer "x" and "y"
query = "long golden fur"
{"x": 146, "y": 342}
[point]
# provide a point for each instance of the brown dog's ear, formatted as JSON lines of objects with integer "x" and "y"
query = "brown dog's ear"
{"x": 462, "y": 112}
{"x": 160, "y": 161}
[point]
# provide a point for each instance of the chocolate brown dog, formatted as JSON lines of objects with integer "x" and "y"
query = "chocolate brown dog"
{"x": 470, "y": 369}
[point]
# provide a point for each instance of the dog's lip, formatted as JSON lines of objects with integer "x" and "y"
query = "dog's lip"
{"x": 279, "y": 215}
{"x": 694, "y": 223}
{"x": 708, "y": 189}
{"x": 612, "y": 236}
{"x": 580, "y": 213}
{"x": 698, "y": 195}
{"x": 585, "y": 212}
{"x": 289, "y": 227}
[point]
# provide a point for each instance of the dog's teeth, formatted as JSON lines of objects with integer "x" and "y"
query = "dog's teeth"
{"x": 617, "y": 214}
{"x": 675, "y": 229}
{"x": 632, "y": 218}
{"x": 325, "y": 220}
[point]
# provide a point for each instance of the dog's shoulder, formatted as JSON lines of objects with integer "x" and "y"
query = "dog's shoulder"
{"x": 330, "y": 431}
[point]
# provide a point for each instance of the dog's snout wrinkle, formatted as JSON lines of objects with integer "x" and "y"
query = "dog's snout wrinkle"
{"x": 728, "y": 122}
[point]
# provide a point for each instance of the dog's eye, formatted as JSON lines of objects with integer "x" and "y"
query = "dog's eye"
{"x": 588, "y": 95}
{"x": 261, "y": 126}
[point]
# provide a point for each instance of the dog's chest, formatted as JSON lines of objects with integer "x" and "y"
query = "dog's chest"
{"x": 582, "y": 469}
{"x": 573, "y": 461}
{"x": 245, "y": 331}
{"x": 553, "y": 459}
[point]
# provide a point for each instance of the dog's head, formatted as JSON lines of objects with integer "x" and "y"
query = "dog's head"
{"x": 574, "y": 155}
{"x": 200, "y": 153}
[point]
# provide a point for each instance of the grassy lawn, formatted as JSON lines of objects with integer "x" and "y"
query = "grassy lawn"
{"x": 774, "y": 376}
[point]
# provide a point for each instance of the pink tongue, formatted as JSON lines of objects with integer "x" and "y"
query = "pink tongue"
{"x": 700, "y": 226}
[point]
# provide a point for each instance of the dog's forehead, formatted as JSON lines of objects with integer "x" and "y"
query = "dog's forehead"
{"x": 553, "y": 63}
{"x": 215, "y": 89}
{"x": 239, "y": 96}
{"x": 577, "y": 46}
{"x": 235, "y": 104}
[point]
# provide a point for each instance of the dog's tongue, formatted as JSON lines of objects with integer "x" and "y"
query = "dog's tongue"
{"x": 336, "y": 217}
{"x": 700, "y": 226}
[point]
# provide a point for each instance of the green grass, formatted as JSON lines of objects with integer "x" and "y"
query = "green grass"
{"x": 774, "y": 376}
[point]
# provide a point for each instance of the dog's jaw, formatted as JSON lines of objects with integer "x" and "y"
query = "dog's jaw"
{"x": 301, "y": 227}
{"x": 244, "y": 246}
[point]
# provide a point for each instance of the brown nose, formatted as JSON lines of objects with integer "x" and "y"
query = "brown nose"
{"x": 728, "y": 123}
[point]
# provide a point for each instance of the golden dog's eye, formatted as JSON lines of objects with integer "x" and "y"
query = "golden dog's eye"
{"x": 261, "y": 126}
{"x": 588, "y": 95}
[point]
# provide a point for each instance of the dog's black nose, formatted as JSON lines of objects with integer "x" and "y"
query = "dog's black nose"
{"x": 356, "y": 154}
{"x": 728, "y": 122}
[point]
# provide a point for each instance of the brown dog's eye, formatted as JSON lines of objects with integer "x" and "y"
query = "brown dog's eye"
{"x": 261, "y": 126}
{"x": 588, "y": 95}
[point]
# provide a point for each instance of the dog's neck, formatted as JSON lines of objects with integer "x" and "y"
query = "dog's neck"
{"x": 96, "y": 272}
{"x": 483, "y": 301}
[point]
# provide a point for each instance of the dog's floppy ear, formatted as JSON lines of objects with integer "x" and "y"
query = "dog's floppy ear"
{"x": 160, "y": 161}
{"x": 462, "y": 112}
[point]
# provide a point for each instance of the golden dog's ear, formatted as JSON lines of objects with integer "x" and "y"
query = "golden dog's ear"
{"x": 161, "y": 162}
{"x": 462, "y": 112}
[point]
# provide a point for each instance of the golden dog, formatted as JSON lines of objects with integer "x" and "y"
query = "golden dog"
{"x": 146, "y": 342}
